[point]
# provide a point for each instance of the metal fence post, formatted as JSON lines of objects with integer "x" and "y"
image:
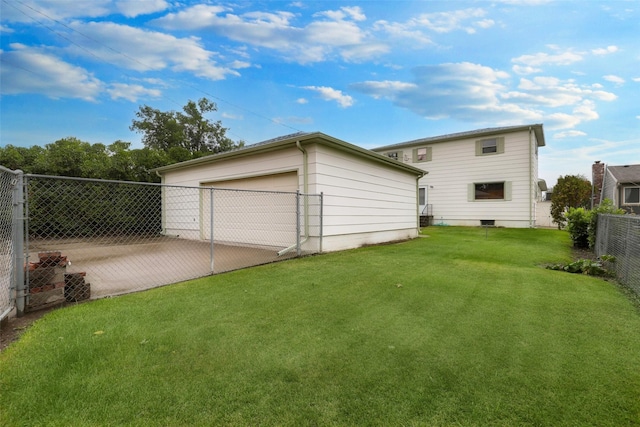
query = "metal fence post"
{"x": 211, "y": 234}
{"x": 298, "y": 248}
{"x": 18, "y": 243}
{"x": 321, "y": 217}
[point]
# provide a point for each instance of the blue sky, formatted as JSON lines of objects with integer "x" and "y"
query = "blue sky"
{"x": 371, "y": 73}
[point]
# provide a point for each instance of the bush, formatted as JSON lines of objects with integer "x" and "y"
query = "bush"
{"x": 578, "y": 220}
{"x": 582, "y": 224}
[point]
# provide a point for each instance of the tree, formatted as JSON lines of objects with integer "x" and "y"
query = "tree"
{"x": 188, "y": 130}
{"x": 571, "y": 191}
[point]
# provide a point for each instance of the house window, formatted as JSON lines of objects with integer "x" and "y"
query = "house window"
{"x": 421, "y": 154}
{"x": 632, "y": 196}
{"x": 395, "y": 155}
{"x": 489, "y": 191}
{"x": 490, "y": 146}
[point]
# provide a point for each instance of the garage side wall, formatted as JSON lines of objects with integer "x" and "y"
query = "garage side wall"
{"x": 365, "y": 202}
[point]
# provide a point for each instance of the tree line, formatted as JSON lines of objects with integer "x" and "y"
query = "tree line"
{"x": 168, "y": 137}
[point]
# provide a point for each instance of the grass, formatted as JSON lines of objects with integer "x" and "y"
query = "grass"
{"x": 457, "y": 328}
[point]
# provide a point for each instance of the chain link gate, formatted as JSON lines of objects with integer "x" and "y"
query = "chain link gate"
{"x": 95, "y": 238}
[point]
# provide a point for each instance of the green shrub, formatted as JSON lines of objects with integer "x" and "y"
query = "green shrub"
{"x": 578, "y": 220}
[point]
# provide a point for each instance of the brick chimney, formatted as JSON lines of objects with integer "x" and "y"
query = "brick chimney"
{"x": 597, "y": 177}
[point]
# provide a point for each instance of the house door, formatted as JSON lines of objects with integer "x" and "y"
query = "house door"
{"x": 422, "y": 200}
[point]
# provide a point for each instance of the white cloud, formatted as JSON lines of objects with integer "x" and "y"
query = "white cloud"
{"x": 402, "y": 31}
{"x": 330, "y": 94}
{"x": 519, "y": 69}
{"x": 28, "y": 10}
{"x": 542, "y": 58}
{"x": 302, "y": 101}
{"x": 5, "y": 29}
{"x": 482, "y": 95}
{"x": 614, "y": 79}
{"x": 604, "y": 51}
{"x": 29, "y": 70}
{"x": 354, "y": 13}
{"x": 133, "y": 8}
{"x": 445, "y": 22}
{"x": 131, "y": 92}
{"x": 331, "y": 33}
{"x": 569, "y": 134}
{"x": 143, "y": 50}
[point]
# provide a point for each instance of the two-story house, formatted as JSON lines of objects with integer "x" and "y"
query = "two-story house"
{"x": 481, "y": 177}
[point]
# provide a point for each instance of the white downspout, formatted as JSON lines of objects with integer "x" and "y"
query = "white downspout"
{"x": 305, "y": 188}
{"x": 531, "y": 201}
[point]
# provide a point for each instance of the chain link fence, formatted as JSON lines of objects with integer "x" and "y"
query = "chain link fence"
{"x": 94, "y": 238}
{"x": 619, "y": 236}
{"x": 9, "y": 220}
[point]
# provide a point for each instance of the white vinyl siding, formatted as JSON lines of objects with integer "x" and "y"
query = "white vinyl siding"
{"x": 361, "y": 196}
{"x": 455, "y": 168}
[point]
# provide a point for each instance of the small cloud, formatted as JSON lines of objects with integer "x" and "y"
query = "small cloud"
{"x": 302, "y": 101}
{"x": 569, "y": 134}
{"x": 231, "y": 116}
{"x": 636, "y": 79}
{"x": 523, "y": 70}
{"x": 5, "y": 29}
{"x": 330, "y": 94}
{"x": 605, "y": 51}
{"x": 614, "y": 79}
{"x": 131, "y": 92}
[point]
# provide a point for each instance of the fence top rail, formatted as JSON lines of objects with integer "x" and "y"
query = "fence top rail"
{"x": 624, "y": 217}
{"x": 16, "y": 172}
{"x": 153, "y": 184}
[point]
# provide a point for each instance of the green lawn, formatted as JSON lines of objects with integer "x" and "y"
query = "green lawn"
{"x": 457, "y": 328}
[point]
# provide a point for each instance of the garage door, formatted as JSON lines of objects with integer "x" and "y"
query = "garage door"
{"x": 251, "y": 218}
{"x": 287, "y": 181}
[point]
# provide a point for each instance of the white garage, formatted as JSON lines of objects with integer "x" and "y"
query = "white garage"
{"x": 367, "y": 198}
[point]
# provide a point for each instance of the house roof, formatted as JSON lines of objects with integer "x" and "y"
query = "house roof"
{"x": 286, "y": 141}
{"x": 626, "y": 174}
{"x": 536, "y": 128}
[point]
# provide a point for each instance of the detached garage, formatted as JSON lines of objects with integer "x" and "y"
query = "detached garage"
{"x": 367, "y": 198}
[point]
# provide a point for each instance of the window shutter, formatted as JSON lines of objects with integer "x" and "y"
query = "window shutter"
{"x": 415, "y": 155}
{"x": 428, "y": 154}
{"x": 400, "y": 157}
{"x": 471, "y": 192}
{"x": 478, "y": 148}
{"x": 507, "y": 190}
{"x": 500, "y": 145}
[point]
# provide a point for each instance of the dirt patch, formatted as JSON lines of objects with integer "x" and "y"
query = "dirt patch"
{"x": 12, "y": 327}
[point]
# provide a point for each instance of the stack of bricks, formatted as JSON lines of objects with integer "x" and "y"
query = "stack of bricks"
{"x": 50, "y": 285}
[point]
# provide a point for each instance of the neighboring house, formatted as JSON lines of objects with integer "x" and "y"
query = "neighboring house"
{"x": 620, "y": 184}
{"x": 482, "y": 177}
{"x": 368, "y": 198}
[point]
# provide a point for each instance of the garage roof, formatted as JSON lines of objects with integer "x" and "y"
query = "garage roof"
{"x": 303, "y": 138}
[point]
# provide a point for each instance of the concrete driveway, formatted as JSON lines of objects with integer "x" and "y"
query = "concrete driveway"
{"x": 118, "y": 266}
